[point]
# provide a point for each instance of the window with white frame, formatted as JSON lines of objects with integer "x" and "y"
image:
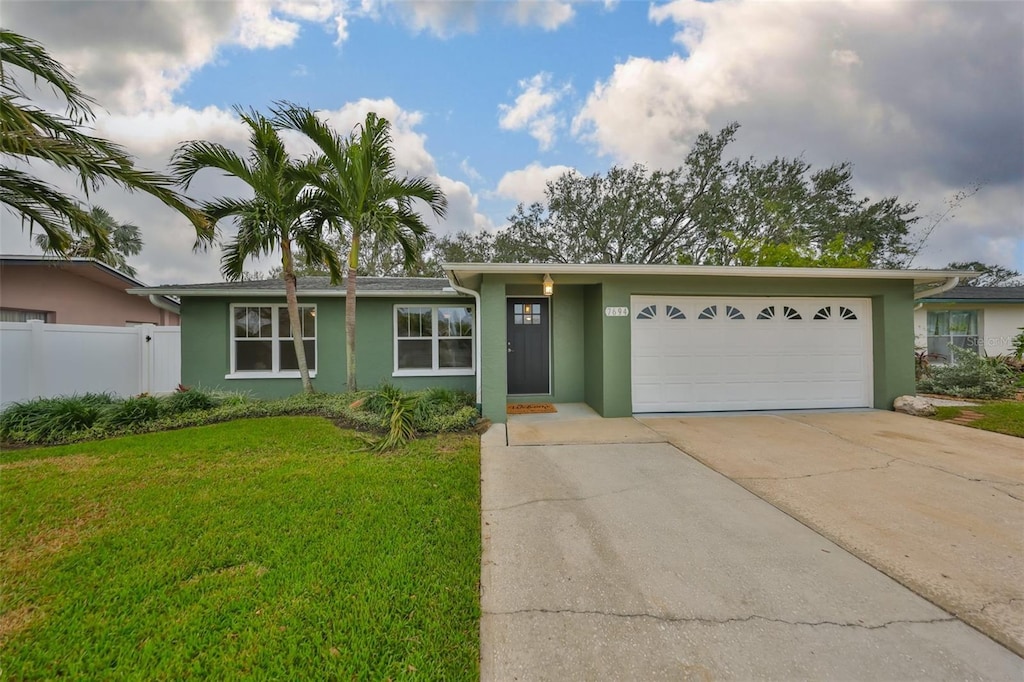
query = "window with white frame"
{"x": 433, "y": 339}
{"x": 951, "y": 328}
{"x": 262, "y": 340}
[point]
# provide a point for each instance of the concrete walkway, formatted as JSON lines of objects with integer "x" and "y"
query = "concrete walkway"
{"x": 635, "y": 561}
{"x": 939, "y": 507}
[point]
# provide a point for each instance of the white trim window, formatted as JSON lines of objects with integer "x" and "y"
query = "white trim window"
{"x": 261, "y": 341}
{"x": 433, "y": 339}
{"x": 948, "y": 328}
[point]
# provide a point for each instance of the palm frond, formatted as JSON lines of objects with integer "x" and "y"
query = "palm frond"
{"x": 25, "y": 53}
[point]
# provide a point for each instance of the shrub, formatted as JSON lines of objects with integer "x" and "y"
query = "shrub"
{"x": 128, "y": 412}
{"x": 48, "y": 420}
{"x": 399, "y": 419}
{"x": 970, "y": 376}
{"x": 1018, "y": 345}
{"x": 187, "y": 400}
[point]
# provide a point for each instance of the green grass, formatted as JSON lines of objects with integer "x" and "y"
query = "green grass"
{"x": 1002, "y": 417}
{"x": 272, "y": 548}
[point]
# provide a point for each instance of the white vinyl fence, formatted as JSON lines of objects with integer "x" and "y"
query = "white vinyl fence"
{"x": 45, "y": 360}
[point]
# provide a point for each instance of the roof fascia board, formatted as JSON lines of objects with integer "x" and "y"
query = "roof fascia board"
{"x": 976, "y": 301}
{"x": 460, "y": 271}
{"x": 321, "y": 293}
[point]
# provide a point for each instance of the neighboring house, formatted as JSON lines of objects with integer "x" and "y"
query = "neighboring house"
{"x": 76, "y": 291}
{"x": 624, "y": 339}
{"x": 980, "y": 318}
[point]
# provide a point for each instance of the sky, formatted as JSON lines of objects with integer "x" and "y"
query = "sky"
{"x": 493, "y": 98}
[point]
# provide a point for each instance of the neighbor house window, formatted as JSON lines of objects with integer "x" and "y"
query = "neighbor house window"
{"x": 262, "y": 339}
{"x": 433, "y": 339}
{"x": 951, "y": 328}
{"x": 10, "y": 315}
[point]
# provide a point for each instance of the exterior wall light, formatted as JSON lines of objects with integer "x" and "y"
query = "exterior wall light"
{"x": 549, "y": 285}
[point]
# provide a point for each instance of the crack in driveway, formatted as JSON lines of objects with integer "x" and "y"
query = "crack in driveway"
{"x": 563, "y": 499}
{"x": 704, "y": 620}
{"x": 820, "y": 473}
{"x": 998, "y": 602}
{"x": 985, "y": 481}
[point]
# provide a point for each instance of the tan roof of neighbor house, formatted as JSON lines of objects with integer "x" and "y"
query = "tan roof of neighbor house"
{"x": 89, "y": 268}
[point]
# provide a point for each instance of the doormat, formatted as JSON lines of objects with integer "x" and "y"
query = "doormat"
{"x": 529, "y": 408}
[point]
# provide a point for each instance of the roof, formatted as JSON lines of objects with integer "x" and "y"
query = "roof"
{"x": 311, "y": 286}
{"x": 981, "y": 295}
{"x": 469, "y": 274}
{"x": 89, "y": 268}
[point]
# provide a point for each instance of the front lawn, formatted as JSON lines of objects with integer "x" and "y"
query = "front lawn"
{"x": 1002, "y": 417}
{"x": 274, "y": 548}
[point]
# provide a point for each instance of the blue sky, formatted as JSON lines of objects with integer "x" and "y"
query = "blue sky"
{"x": 491, "y": 99}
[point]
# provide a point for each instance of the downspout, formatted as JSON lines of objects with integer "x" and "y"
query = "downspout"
{"x": 161, "y": 303}
{"x": 477, "y": 344}
{"x": 942, "y": 288}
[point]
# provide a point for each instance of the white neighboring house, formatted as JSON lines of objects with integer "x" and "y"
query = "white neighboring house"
{"x": 982, "y": 318}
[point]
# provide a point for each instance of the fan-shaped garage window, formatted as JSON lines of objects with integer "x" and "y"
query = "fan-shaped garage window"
{"x": 733, "y": 313}
{"x": 709, "y": 313}
{"x": 791, "y": 313}
{"x": 767, "y": 313}
{"x": 824, "y": 313}
{"x": 648, "y": 313}
{"x": 674, "y": 313}
{"x": 846, "y": 314}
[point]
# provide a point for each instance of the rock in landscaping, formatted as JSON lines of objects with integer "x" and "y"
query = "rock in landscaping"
{"x": 914, "y": 405}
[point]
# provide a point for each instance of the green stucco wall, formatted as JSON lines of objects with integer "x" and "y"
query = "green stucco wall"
{"x": 601, "y": 345}
{"x": 206, "y": 338}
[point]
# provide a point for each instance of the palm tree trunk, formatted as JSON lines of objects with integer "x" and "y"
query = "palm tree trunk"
{"x": 294, "y": 321}
{"x": 350, "y": 310}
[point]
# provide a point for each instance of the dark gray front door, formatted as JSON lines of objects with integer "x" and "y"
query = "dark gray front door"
{"x": 529, "y": 322}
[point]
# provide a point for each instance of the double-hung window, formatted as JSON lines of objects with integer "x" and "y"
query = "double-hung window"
{"x": 951, "y": 328}
{"x": 262, "y": 343}
{"x": 433, "y": 339}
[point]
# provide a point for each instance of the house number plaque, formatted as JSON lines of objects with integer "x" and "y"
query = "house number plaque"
{"x": 612, "y": 311}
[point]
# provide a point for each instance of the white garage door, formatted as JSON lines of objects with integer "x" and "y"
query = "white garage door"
{"x": 702, "y": 354}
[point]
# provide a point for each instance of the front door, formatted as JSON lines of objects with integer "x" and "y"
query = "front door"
{"x": 529, "y": 324}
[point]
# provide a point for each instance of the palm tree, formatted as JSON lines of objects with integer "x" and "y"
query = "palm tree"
{"x": 277, "y": 216}
{"x": 31, "y": 134}
{"x": 362, "y": 194}
{"x": 124, "y": 240}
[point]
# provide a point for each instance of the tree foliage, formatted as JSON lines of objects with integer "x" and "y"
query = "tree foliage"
{"x": 708, "y": 211}
{"x": 991, "y": 275}
{"x": 31, "y": 137}
{"x": 280, "y": 215}
{"x": 123, "y": 239}
{"x": 360, "y": 196}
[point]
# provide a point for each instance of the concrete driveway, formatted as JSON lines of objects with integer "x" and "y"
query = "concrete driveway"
{"x": 938, "y": 507}
{"x": 635, "y": 561}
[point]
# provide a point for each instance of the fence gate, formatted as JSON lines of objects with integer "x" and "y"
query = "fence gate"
{"x": 39, "y": 360}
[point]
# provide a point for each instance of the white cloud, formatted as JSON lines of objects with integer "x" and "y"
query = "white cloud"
{"x": 547, "y": 14}
{"x": 149, "y": 50}
{"x": 446, "y": 18}
{"x": 527, "y": 185}
{"x": 470, "y": 172}
{"x": 923, "y": 98}
{"x": 533, "y": 110}
{"x": 259, "y": 26}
